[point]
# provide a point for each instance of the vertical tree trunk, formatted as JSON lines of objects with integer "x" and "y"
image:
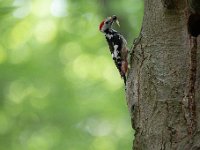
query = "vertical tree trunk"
{"x": 163, "y": 91}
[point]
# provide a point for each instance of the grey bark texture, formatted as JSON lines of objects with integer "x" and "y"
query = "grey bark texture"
{"x": 163, "y": 86}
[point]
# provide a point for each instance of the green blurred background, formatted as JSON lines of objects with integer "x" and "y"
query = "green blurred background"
{"x": 59, "y": 89}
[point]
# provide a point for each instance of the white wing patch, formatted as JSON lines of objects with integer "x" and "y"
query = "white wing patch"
{"x": 115, "y": 53}
{"x": 112, "y": 55}
{"x": 109, "y": 36}
{"x": 115, "y": 47}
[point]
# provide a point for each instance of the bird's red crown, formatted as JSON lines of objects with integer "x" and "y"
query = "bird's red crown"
{"x": 101, "y": 25}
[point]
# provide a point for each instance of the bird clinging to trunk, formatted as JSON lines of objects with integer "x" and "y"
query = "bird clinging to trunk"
{"x": 117, "y": 45}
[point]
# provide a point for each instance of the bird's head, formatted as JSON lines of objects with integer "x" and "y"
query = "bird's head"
{"x": 107, "y": 23}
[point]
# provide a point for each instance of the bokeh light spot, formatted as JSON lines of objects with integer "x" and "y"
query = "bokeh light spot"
{"x": 41, "y": 8}
{"x": 20, "y": 55}
{"x": 19, "y": 90}
{"x": 59, "y": 8}
{"x": 69, "y": 52}
{"x": 81, "y": 66}
{"x": 44, "y": 139}
{"x": 39, "y": 100}
{"x": 23, "y": 8}
{"x": 98, "y": 127}
{"x": 20, "y": 34}
{"x": 45, "y": 31}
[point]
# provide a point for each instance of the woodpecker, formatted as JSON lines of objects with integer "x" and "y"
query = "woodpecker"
{"x": 117, "y": 45}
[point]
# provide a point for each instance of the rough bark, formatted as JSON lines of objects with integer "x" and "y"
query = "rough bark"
{"x": 163, "y": 89}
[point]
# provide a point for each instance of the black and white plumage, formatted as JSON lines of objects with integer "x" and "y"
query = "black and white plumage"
{"x": 117, "y": 45}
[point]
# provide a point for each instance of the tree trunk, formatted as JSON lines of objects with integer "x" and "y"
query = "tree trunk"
{"x": 163, "y": 87}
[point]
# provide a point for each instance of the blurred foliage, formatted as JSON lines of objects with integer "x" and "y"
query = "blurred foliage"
{"x": 59, "y": 87}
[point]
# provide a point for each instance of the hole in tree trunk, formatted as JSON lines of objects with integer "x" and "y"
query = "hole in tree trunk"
{"x": 194, "y": 25}
{"x": 169, "y": 4}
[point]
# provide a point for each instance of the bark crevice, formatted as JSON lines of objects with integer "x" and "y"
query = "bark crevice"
{"x": 191, "y": 94}
{"x": 189, "y": 100}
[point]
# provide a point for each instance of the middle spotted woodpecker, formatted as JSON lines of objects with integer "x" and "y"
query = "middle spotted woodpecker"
{"x": 117, "y": 45}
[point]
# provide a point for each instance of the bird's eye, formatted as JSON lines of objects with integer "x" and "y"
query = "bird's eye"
{"x": 106, "y": 22}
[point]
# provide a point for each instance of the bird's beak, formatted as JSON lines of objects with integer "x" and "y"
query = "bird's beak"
{"x": 117, "y": 21}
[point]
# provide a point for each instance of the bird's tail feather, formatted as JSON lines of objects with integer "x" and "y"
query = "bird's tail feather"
{"x": 124, "y": 78}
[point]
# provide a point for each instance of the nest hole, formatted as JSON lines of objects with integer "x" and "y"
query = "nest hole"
{"x": 194, "y": 25}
